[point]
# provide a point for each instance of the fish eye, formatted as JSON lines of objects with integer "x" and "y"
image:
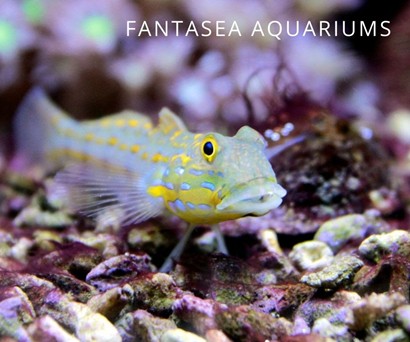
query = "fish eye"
{"x": 209, "y": 149}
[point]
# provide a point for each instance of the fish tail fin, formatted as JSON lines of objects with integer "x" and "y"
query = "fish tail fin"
{"x": 37, "y": 126}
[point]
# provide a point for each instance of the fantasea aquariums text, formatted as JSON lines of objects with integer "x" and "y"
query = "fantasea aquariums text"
{"x": 275, "y": 29}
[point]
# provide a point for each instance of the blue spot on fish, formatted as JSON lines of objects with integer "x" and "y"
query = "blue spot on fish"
{"x": 220, "y": 174}
{"x": 211, "y": 172}
{"x": 208, "y": 185}
{"x": 204, "y": 206}
{"x": 185, "y": 186}
{"x": 169, "y": 185}
{"x": 172, "y": 205}
{"x": 190, "y": 205}
{"x": 196, "y": 172}
{"x": 180, "y": 206}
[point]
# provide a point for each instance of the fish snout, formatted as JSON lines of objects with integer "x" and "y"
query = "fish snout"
{"x": 256, "y": 197}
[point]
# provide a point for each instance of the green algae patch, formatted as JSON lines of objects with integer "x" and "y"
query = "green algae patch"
{"x": 396, "y": 242}
{"x": 340, "y": 272}
{"x": 337, "y": 232}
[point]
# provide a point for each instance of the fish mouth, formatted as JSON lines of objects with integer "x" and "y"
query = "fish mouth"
{"x": 253, "y": 198}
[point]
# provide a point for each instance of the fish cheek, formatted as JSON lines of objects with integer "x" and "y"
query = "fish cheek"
{"x": 197, "y": 192}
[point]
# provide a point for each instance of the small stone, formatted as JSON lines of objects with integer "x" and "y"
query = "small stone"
{"x": 300, "y": 326}
{"x": 15, "y": 310}
{"x": 340, "y": 272}
{"x": 242, "y": 323}
{"x": 207, "y": 242}
{"x": 109, "y": 220}
{"x": 118, "y": 269}
{"x": 179, "y": 335}
{"x": 47, "y": 329}
{"x": 79, "y": 318}
{"x": 54, "y": 196}
{"x": 403, "y": 317}
{"x": 281, "y": 298}
{"x": 79, "y": 290}
{"x": 148, "y": 237}
{"x": 396, "y": 242}
{"x": 371, "y": 308}
{"x": 323, "y": 327}
{"x": 269, "y": 240}
{"x": 11, "y": 265}
{"x": 20, "y": 182}
{"x": 11, "y": 327}
{"x": 399, "y": 124}
{"x": 200, "y": 313}
{"x": 155, "y": 292}
{"x": 34, "y": 216}
{"x": 35, "y": 287}
{"x": 214, "y": 335}
{"x": 111, "y": 302}
{"x": 20, "y": 249}
{"x": 391, "y": 335}
{"x": 13, "y": 298}
{"x": 75, "y": 258}
{"x": 273, "y": 268}
{"x": 311, "y": 255}
{"x": 93, "y": 326}
{"x": 109, "y": 245}
{"x": 6, "y": 241}
{"x": 337, "y": 232}
{"x": 13, "y": 247}
{"x": 45, "y": 239}
{"x": 335, "y": 309}
{"x": 140, "y": 325}
{"x": 385, "y": 200}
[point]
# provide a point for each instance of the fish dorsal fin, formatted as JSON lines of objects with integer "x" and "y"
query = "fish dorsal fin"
{"x": 93, "y": 190}
{"x": 128, "y": 115}
{"x": 249, "y": 134}
{"x": 169, "y": 121}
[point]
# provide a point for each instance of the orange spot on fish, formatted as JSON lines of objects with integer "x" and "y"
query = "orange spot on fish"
{"x": 120, "y": 122}
{"x": 112, "y": 141}
{"x": 158, "y": 157}
{"x": 105, "y": 123}
{"x": 55, "y": 120}
{"x": 77, "y": 155}
{"x": 89, "y": 137}
{"x": 184, "y": 158}
{"x": 133, "y": 123}
{"x": 135, "y": 148}
{"x": 176, "y": 134}
{"x": 69, "y": 133}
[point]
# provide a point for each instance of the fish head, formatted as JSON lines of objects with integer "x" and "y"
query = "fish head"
{"x": 224, "y": 178}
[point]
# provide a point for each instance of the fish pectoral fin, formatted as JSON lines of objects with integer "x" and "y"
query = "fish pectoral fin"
{"x": 94, "y": 190}
{"x": 169, "y": 121}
